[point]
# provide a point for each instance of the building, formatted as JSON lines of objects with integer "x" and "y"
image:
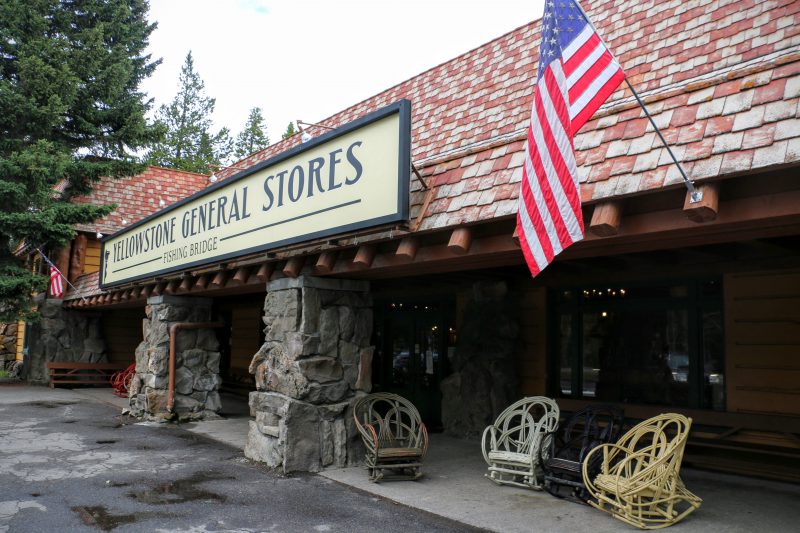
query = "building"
{"x": 665, "y": 305}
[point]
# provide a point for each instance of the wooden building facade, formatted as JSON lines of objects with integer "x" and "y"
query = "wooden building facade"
{"x": 664, "y": 306}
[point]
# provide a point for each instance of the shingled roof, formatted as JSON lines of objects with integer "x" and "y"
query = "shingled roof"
{"x": 722, "y": 78}
{"x": 138, "y": 196}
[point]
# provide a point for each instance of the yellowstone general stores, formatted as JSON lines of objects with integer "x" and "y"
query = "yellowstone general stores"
{"x": 381, "y": 255}
{"x": 356, "y": 176}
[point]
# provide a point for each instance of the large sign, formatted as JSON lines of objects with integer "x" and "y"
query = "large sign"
{"x": 350, "y": 178}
